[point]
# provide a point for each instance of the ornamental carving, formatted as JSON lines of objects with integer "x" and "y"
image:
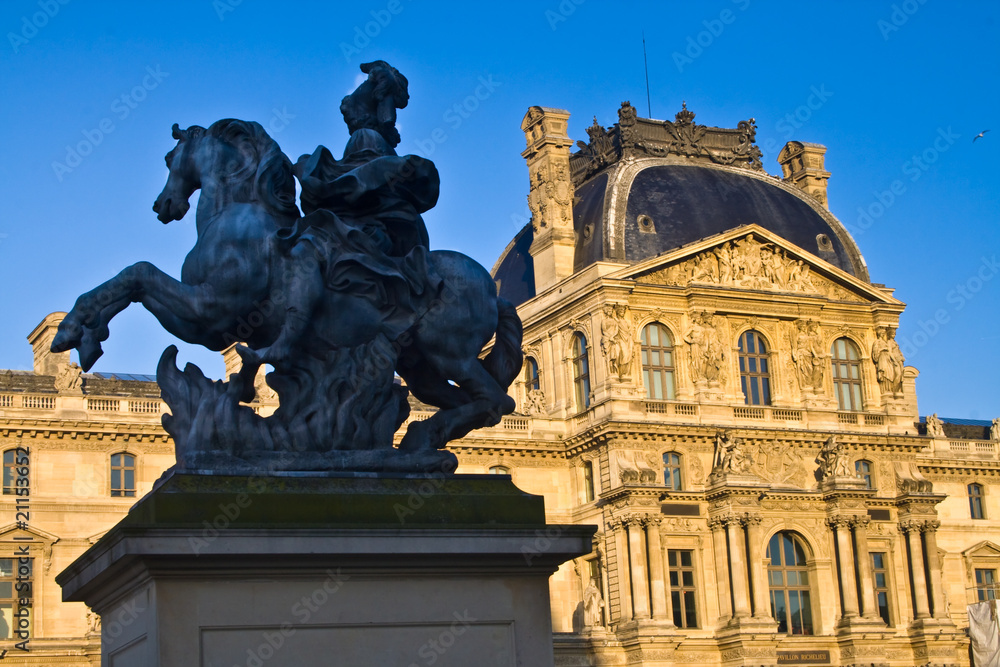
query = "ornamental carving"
{"x": 909, "y": 479}
{"x": 600, "y": 152}
{"x": 776, "y": 462}
{"x": 750, "y": 264}
{"x": 888, "y": 360}
{"x": 686, "y": 134}
{"x": 737, "y": 653}
{"x": 618, "y": 340}
{"x": 635, "y": 137}
{"x": 678, "y": 525}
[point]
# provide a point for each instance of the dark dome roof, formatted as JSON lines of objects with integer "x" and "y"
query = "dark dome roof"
{"x": 637, "y": 210}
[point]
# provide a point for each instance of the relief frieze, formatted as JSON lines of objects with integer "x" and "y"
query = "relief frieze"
{"x": 750, "y": 264}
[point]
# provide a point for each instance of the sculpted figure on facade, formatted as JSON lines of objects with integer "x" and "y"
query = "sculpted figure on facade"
{"x": 69, "y": 378}
{"x": 935, "y": 427}
{"x": 705, "y": 351}
{"x": 593, "y": 606}
{"x": 833, "y": 460}
{"x": 534, "y": 402}
{"x": 995, "y": 430}
{"x": 337, "y": 301}
{"x": 808, "y": 355}
{"x": 730, "y": 455}
{"x": 617, "y": 340}
{"x": 888, "y": 360}
{"x": 634, "y": 468}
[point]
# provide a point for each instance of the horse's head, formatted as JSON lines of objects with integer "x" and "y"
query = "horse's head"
{"x": 184, "y": 177}
{"x": 233, "y": 161}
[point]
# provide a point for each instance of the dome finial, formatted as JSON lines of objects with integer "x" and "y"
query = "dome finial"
{"x": 684, "y": 117}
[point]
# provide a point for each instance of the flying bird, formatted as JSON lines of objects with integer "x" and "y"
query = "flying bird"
{"x": 979, "y": 135}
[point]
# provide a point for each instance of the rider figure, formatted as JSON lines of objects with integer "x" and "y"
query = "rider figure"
{"x": 371, "y": 189}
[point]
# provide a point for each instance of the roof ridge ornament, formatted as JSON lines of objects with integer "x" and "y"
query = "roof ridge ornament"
{"x": 634, "y": 137}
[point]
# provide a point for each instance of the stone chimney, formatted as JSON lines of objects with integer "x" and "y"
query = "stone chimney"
{"x": 802, "y": 166}
{"x": 46, "y": 361}
{"x": 551, "y": 195}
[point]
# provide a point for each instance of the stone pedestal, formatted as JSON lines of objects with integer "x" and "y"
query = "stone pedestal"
{"x": 219, "y": 571}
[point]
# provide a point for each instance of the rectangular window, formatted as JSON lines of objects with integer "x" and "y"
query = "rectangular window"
{"x": 122, "y": 476}
{"x": 682, "y": 589}
{"x": 15, "y": 598}
{"x": 880, "y": 572}
{"x": 986, "y": 585}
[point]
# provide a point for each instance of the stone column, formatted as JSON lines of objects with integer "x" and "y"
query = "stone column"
{"x": 929, "y": 529}
{"x": 912, "y": 530}
{"x": 718, "y": 527}
{"x": 761, "y": 603}
{"x": 848, "y": 587}
{"x": 658, "y": 584}
{"x": 624, "y": 576}
{"x": 640, "y": 584}
{"x": 868, "y": 608}
{"x": 738, "y": 567}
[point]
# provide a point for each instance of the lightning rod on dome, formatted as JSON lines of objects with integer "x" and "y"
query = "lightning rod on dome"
{"x": 645, "y": 65}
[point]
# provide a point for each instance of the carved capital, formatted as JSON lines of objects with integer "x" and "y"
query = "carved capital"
{"x": 651, "y": 520}
{"x": 929, "y": 525}
{"x": 748, "y": 519}
{"x": 720, "y": 522}
{"x": 837, "y": 522}
{"x": 860, "y": 521}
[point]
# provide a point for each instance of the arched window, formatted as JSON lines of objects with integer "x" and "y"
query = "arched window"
{"x": 788, "y": 579}
{"x": 499, "y": 470}
{"x": 581, "y": 372}
{"x": 863, "y": 469}
{"x": 122, "y": 475}
{"x": 657, "y": 361}
{"x": 846, "y": 374}
{"x": 531, "y": 381}
{"x": 588, "y": 481}
{"x": 976, "y": 501}
{"x": 672, "y": 471}
{"x": 755, "y": 375}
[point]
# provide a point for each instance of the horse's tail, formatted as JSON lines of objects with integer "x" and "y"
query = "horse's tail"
{"x": 504, "y": 361}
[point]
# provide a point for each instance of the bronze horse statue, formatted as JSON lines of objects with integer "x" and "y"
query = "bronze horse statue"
{"x": 258, "y": 275}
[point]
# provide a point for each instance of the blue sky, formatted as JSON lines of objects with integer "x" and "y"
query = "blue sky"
{"x": 895, "y": 90}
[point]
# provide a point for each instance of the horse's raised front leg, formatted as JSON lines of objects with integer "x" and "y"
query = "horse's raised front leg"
{"x": 181, "y": 309}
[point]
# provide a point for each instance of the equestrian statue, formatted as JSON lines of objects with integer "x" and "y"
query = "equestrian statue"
{"x": 341, "y": 302}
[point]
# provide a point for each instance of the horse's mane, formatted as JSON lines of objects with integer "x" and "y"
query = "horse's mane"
{"x": 266, "y": 173}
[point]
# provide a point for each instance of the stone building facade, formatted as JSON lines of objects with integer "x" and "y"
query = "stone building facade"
{"x": 710, "y": 378}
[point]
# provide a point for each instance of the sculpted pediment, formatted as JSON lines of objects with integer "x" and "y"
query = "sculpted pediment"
{"x": 753, "y": 258}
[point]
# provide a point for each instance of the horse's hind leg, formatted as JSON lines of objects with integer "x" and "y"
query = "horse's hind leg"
{"x": 428, "y": 386}
{"x": 489, "y": 402}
